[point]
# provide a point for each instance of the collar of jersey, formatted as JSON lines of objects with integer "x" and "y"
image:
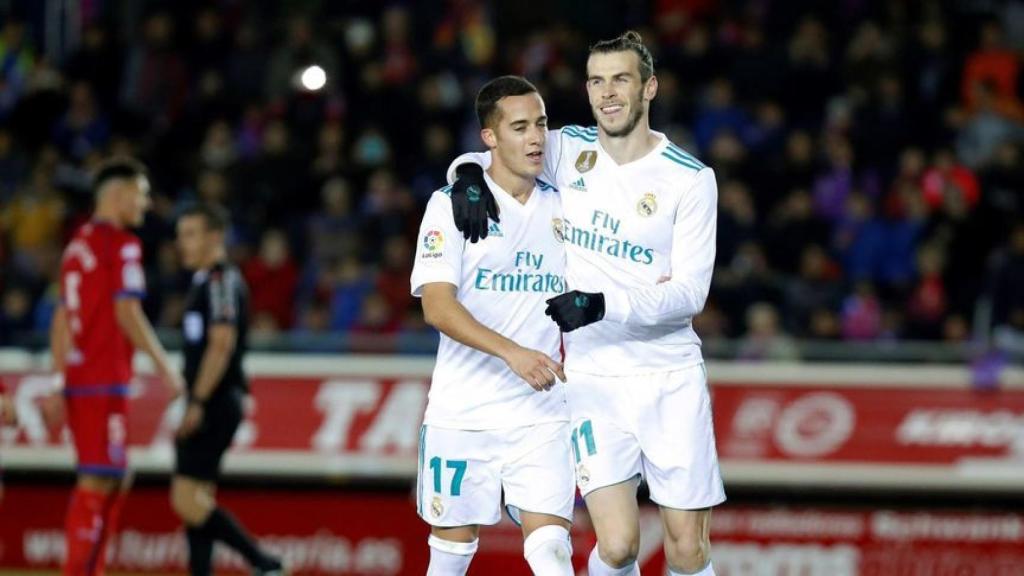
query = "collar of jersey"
{"x": 507, "y": 199}
{"x": 656, "y": 150}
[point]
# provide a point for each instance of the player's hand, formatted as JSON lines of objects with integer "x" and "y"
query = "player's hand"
{"x": 192, "y": 420}
{"x": 174, "y": 382}
{"x": 8, "y": 416}
{"x": 575, "y": 309}
{"x": 536, "y": 368}
{"x": 51, "y": 407}
{"x": 472, "y": 202}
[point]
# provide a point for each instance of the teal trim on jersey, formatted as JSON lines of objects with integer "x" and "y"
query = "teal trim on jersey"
{"x": 447, "y": 190}
{"x": 581, "y": 137}
{"x": 683, "y": 154}
{"x": 545, "y": 186}
{"x": 676, "y": 150}
{"x": 588, "y": 132}
{"x": 419, "y": 471}
{"x": 680, "y": 161}
{"x": 579, "y": 133}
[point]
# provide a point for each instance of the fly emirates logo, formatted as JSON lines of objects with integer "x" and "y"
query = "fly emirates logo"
{"x": 528, "y": 276}
{"x": 602, "y": 235}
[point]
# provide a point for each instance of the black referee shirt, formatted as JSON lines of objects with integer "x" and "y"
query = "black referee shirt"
{"x": 217, "y": 296}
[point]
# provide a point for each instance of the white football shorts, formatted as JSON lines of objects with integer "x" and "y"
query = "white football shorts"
{"x": 657, "y": 426}
{"x": 462, "y": 474}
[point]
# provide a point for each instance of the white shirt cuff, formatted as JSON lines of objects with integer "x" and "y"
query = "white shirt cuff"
{"x": 616, "y": 307}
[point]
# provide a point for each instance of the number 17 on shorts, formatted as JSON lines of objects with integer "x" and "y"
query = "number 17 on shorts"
{"x": 451, "y": 486}
{"x": 439, "y": 481}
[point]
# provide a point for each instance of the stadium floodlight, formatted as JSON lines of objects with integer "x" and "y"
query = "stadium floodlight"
{"x": 313, "y": 78}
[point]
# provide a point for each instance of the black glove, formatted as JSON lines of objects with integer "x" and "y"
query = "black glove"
{"x": 576, "y": 309}
{"x": 472, "y": 202}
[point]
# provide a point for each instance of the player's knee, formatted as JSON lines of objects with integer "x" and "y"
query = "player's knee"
{"x": 178, "y": 504}
{"x": 687, "y": 555}
{"x": 183, "y": 502}
{"x": 619, "y": 551}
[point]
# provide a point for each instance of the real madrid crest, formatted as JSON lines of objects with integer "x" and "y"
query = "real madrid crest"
{"x": 586, "y": 160}
{"x": 582, "y": 475}
{"x": 647, "y": 205}
{"x": 558, "y": 228}
{"x": 436, "y": 507}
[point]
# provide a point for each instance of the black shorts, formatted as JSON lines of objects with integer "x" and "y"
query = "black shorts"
{"x": 199, "y": 455}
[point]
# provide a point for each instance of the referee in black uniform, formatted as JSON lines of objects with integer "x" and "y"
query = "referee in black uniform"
{"x": 214, "y": 329}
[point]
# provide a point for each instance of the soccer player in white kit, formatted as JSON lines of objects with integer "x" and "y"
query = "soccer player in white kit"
{"x": 496, "y": 419}
{"x": 639, "y": 228}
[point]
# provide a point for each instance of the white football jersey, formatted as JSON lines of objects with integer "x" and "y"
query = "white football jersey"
{"x": 503, "y": 282}
{"x": 625, "y": 228}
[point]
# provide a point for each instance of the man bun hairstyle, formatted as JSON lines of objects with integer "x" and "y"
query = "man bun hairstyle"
{"x": 498, "y": 88}
{"x": 629, "y": 40}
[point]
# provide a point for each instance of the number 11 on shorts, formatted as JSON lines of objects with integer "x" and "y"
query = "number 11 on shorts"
{"x": 586, "y": 430}
{"x": 459, "y": 466}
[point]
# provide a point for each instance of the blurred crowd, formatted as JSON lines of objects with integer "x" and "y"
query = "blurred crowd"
{"x": 868, "y": 154}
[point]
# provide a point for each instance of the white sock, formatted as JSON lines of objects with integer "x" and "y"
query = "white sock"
{"x": 450, "y": 558}
{"x": 597, "y": 567}
{"x": 705, "y": 571}
{"x": 548, "y": 551}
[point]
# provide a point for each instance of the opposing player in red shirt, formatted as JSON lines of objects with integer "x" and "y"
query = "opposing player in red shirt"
{"x": 95, "y": 331}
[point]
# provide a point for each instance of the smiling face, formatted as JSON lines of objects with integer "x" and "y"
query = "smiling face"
{"x": 619, "y": 98}
{"x": 517, "y": 133}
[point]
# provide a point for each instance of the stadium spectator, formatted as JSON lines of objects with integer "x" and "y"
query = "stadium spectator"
{"x": 17, "y": 59}
{"x": 991, "y": 63}
{"x": 82, "y": 129}
{"x": 1008, "y": 292}
{"x": 273, "y": 278}
{"x": 764, "y": 339}
{"x": 350, "y": 283}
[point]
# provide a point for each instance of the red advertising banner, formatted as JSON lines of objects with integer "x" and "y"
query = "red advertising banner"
{"x": 847, "y": 542}
{"x": 317, "y": 532}
{"x": 339, "y": 533}
{"x": 891, "y": 426}
{"x": 769, "y": 430}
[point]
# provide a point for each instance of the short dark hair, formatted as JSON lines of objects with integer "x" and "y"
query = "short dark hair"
{"x": 500, "y": 87}
{"x": 117, "y": 168}
{"x": 628, "y": 41}
{"x": 214, "y": 216}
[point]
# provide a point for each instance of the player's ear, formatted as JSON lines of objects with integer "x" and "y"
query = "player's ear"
{"x": 489, "y": 137}
{"x": 651, "y": 88}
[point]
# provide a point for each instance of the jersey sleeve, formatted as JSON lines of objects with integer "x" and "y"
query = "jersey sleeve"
{"x": 481, "y": 158}
{"x": 552, "y": 157}
{"x": 439, "y": 246}
{"x": 129, "y": 276}
{"x": 693, "y": 260}
{"x": 224, "y": 293}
